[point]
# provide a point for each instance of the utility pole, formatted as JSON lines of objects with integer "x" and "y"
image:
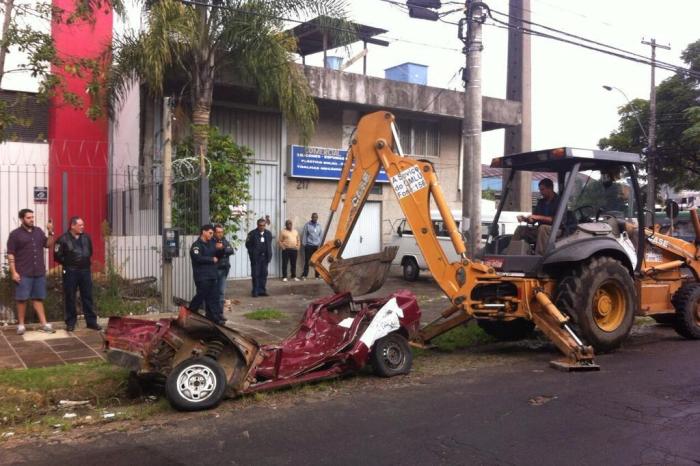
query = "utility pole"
{"x": 471, "y": 125}
{"x": 167, "y": 262}
{"x": 518, "y": 89}
{"x": 651, "y": 148}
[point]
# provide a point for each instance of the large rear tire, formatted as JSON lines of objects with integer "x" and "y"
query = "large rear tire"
{"x": 687, "y": 304}
{"x": 508, "y": 330}
{"x": 599, "y": 296}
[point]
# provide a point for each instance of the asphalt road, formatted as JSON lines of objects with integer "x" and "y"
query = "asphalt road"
{"x": 642, "y": 408}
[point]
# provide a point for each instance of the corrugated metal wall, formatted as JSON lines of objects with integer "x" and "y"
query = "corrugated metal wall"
{"x": 262, "y": 132}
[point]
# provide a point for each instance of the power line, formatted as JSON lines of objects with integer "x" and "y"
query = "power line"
{"x": 624, "y": 54}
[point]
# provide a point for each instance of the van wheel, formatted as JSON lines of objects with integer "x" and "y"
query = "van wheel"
{"x": 410, "y": 269}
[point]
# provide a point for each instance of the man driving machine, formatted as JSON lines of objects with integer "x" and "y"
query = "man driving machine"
{"x": 540, "y": 221}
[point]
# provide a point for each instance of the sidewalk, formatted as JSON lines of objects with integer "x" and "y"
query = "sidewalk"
{"x": 38, "y": 349}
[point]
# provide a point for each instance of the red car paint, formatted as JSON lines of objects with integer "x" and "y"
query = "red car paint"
{"x": 326, "y": 343}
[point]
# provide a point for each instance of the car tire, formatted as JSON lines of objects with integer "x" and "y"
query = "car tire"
{"x": 410, "y": 269}
{"x": 196, "y": 384}
{"x": 391, "y": 356}
{"x": 599, "y": 296}
{"x": 508, "y": 330}
{"x": 687, "y": 304}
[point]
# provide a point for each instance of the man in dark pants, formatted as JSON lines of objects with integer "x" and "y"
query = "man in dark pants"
{"x": 223, "y": 251}
{"x": 204, "y": 260}
{"x": 311, "y": 237}
{"x": 74, "y": 251}
{"x": 259, "y": 246}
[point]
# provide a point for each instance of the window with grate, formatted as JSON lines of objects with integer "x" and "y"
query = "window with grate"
{"x": 419, "y": 137}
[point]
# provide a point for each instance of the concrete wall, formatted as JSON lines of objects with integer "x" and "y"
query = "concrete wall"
{"x": 303, "y": 197}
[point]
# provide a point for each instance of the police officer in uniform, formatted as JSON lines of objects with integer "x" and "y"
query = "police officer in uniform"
{"x": 223, "y": 251}
{"x": 203, "y": 256}
{"x": 259, "y": 246}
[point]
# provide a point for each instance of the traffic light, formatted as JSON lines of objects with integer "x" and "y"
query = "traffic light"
{"x": 423, "y": 9}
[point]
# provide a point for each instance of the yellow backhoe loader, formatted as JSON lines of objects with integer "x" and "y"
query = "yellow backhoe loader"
{"x": 597, "y": 268}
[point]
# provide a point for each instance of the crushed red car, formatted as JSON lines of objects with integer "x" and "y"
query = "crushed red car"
{"x": 202, "y": 362}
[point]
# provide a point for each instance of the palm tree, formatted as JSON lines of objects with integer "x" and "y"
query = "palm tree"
{"x": 222, "y": 39}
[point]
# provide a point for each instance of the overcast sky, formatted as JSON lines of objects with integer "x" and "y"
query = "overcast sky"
{"x": 570, "y": 107}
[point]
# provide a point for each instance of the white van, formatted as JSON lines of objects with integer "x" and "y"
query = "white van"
{"x": 409, "y": 256}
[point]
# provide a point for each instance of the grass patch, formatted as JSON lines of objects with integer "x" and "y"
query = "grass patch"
{"x": 460, "y": 337}
{"x": 265, "y": 314}
{"x": 31, "y": 395}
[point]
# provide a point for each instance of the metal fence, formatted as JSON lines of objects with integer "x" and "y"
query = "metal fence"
{"x": 125, "y": 224}
{"x": 135, "y": 218}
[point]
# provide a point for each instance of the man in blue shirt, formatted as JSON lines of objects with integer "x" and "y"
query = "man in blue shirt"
{"x": 311, "y": 237}
{"x": 540, "y": 221}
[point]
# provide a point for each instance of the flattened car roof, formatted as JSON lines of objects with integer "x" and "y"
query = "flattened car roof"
{"x": 564, "y": 158}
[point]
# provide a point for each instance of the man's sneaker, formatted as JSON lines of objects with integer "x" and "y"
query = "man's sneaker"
{"x": 296, "y": 279}
{"x": 284, "y": 279}
{"x": 47, "y": 329}
{"x": 21, "y": 329}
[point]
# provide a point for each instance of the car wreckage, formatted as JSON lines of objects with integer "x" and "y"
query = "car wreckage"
{"x": 202, "y": 362}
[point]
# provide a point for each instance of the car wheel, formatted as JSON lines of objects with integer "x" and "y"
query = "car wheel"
{"x": 410, "y": 269}
{"x": 599, "y": 297}
{"x": 196, "y": 384}
{"x": 687, "y": 304}
{"x": 391, "y": 356}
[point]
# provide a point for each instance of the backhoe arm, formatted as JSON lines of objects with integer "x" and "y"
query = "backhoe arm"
{"x": 414, "y": 183}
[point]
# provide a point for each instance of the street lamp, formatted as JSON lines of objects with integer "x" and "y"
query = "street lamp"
{"x": 636, "y": 110}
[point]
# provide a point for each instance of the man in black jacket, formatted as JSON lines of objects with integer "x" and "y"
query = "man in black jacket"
{"x": 203, "y": 256}
{"x": 73, "y": 250}
{"x": 223, "y": 251}
{"x": 259, "y": 246}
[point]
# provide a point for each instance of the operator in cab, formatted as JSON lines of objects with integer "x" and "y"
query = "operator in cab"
{"x": 539, "y": 223}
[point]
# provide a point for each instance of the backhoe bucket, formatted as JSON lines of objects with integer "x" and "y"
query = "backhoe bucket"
{"x": 363, "y": 274}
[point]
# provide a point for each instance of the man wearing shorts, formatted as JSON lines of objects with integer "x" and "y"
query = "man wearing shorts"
{"x": 25, "y": 254}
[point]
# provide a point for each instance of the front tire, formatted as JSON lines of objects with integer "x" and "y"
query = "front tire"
{"x": 196, "y": 384}
{"x": 687, "y": 304}
{"x": 599, "y": 297}
{"x": 508, "y": 330}
{"x": 410, "y": 270}
{"x": 391, "y": 356}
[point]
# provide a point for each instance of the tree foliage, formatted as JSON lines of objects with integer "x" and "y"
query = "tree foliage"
{"x": 678, "y": 127}
{"x": 27, "y": 32}
{"x": 230, "y": 169}
{"x": 236, "y": 41}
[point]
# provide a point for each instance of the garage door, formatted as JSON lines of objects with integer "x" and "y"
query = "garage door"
{"x": 366, "y": 238}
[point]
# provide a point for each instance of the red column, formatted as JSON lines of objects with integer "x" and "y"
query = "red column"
{"x": 78, "y": 145}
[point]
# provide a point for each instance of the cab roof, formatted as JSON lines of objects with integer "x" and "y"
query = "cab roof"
{"x": 564, "y": 158}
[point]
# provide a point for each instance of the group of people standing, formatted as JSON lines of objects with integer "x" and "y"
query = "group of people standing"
{"x": 25, "y": 255}
{"x": 211, "y": 264}
{"x": 210, "y": 255}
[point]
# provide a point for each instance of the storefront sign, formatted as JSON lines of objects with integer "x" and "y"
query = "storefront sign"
{"x": 321, "y": 163}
